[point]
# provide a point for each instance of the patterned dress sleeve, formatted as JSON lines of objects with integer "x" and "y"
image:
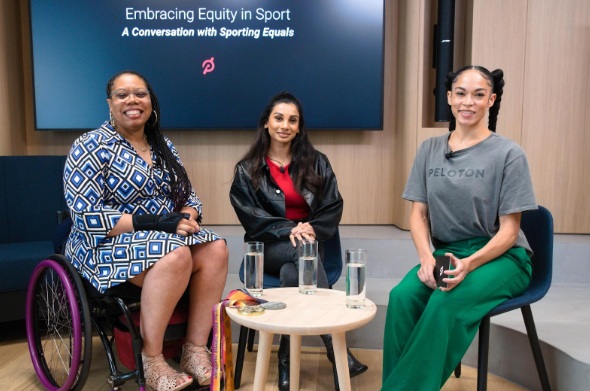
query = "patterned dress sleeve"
{"x": 193, "y": 201}
{"x": 84, "y": 183}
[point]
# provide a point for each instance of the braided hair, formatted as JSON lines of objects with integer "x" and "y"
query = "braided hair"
{"x": 302, "y": 167}
{"x": 495, "y": 80}
{"x": 180, "y": 184}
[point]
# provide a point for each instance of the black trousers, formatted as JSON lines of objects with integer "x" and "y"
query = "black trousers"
{"x": 282, "y": 259}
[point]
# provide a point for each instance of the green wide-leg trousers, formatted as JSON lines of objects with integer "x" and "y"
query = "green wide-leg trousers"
{"x": 427, "y": 331}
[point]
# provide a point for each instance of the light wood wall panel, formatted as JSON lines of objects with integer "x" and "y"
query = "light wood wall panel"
{"x": 12, "y": 137}
{"x": 362, "y": 161}
{"x": 556, "y": 109}
{"x": 499, "y": 41}
{"x": 408, "y": 73}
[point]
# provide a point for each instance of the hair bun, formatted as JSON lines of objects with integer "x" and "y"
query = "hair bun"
{"x": 449, "y": 81}
{"x": 498, "y": 75}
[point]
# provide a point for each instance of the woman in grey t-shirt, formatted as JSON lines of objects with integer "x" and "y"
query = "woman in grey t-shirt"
{"x": 468, "y": 189}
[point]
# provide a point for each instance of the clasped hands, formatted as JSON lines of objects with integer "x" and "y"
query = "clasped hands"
{"x": 461, "y": 269}
{"x": 181, "y": 224}
{"x": 187, "y": 227}
{"x": 303, "y": 230}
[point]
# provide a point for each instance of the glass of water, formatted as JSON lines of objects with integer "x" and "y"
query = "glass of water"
{"x": 308, "y": 267}
{"x": 253, "y": 267}
{"x": 356, "y": 281}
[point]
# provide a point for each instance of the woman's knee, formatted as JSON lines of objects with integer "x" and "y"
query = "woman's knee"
{"x": 289, "y": 275}
{"x": 221, "y": 250}
{"x": 215, "y": 256}
{"x": 177, "y": 261}
{"x": 398, "y": 294}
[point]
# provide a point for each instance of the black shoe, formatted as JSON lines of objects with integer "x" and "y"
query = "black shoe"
{"x": 284, "y": 353}
{"x": 355, "y": 367}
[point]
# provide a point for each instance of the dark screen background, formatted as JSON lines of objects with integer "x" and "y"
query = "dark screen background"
{"x": 333, "y": 63}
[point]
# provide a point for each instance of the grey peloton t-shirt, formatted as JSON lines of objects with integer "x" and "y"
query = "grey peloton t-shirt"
{"x": 467, "y": 192}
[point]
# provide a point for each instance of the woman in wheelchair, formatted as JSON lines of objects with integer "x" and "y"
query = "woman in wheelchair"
{"x": 284, "y": 190}
{"x": 136, "y": 220}
{"x": 468, "y": 189}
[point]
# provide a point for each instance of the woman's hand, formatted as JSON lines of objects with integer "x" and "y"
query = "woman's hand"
{"x": 461, "y": 269}
{"x": 426, "y": 273}
{"x": 303, "y": 230}
{"x": 187, "y": 227}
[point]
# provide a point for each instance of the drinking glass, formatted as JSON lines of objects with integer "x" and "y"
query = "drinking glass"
{"x": 254, "y": 267}
{"x": 356, "y": 281}
{"x": 308, "y": 267}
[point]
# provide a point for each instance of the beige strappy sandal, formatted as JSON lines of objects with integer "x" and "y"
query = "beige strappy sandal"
{"x": 159, "y": 376}
{"x": 196, "y": 361}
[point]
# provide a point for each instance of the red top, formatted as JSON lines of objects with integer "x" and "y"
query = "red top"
{"x": 295, "y": 206}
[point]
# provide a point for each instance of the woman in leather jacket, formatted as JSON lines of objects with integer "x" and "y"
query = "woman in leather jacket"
{"x": 284, "y": 190}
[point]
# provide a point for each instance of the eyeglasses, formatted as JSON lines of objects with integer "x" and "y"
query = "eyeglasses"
{"x": 122, "y": 95}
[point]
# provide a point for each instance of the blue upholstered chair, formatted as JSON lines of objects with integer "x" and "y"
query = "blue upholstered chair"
{"x": 538, "y": 228}
{"x": 333, "y": 267}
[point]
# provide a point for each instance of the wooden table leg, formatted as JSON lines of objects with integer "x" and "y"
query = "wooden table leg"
{"x": 339, "y": 341}
{"x": 262, "y": 359}
{"x": 294, "y": 362}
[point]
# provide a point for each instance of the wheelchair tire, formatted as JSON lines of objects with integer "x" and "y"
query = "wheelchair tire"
{"x": 59, "y": 330}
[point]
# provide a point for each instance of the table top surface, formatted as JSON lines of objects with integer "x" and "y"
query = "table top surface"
{"x": 322, "y": 313}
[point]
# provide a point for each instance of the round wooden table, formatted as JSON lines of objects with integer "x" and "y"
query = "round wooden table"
{"x": 322, "y": 313}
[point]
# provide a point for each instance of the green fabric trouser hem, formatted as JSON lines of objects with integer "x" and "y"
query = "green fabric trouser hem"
{"x": 428, "y": 331}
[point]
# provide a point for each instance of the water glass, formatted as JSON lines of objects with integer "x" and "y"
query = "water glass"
{"x": 308, "y": 267}
{"x": 254, "y": 267}
{"x": 356, "y": 281}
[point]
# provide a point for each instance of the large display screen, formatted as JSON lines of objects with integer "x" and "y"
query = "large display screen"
{"x": 214, "y": 64}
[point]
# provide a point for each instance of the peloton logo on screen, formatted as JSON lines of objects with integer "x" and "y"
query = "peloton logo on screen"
{"x": 208, "y": 66}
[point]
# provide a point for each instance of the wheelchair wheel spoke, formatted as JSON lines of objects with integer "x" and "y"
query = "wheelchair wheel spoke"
{"x": 56, "y": 337}
{"x": 55, "y": 327}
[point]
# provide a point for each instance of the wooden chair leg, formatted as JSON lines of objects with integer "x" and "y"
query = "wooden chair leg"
{"x": 251, "y": 335}
{"x": 482, "y": 354}
{"x": 458, "y": 371}
{"x": 531, "y": 330}
{"x": 240, "y": 358}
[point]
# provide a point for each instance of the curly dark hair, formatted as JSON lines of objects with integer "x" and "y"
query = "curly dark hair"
{"x": 302, "y": 165}
{"x": 180, "y": 184}
{"x": 495, "y": 80}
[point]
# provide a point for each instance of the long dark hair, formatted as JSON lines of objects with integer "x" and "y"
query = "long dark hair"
{"x": 495, "y": 80}
{"x": 180, "y": 184}
{"x": 302, "y": 165}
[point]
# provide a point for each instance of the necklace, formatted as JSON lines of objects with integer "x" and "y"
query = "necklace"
{"x": 282, "y": 169}
{"x": 140, "y": 148}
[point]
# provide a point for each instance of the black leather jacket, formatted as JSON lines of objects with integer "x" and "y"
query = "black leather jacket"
{"x": 262, "y": 212}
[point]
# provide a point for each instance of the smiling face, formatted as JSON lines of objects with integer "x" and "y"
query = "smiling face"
{"x": 130, "y": 111}
{"x": 283, "y": 123}
{"x": 470, "y": 98}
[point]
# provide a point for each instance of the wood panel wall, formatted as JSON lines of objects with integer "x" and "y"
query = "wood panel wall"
{"x": 543, "y": 46}
{"x": 556, "y": 109}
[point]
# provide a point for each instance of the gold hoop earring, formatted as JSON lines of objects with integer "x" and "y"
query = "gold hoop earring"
{"x": 112, "y": 120}
{"x": 155, "y": 119}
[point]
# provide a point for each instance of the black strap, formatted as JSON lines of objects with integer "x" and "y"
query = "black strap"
{"x": 167, "y": 222}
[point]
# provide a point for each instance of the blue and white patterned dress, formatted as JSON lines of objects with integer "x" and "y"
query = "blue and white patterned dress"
{"x": 104, "y": 178}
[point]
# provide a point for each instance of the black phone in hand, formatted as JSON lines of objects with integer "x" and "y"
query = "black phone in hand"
{"x": 442, "y": 263}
